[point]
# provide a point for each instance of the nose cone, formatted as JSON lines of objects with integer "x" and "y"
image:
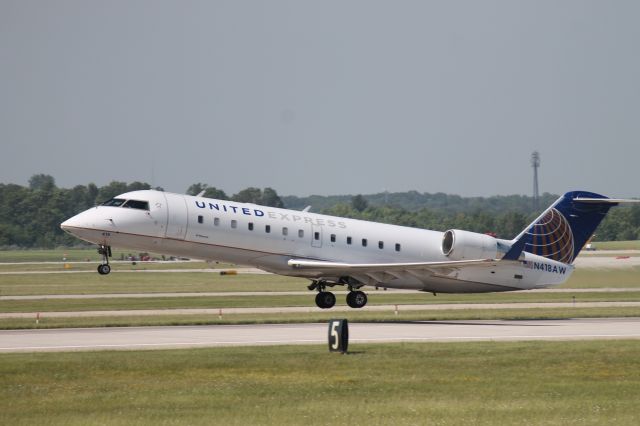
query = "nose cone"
{"x": 70, "y": 223}
{"x": 75, "y": 225}
{"x": 83, "y": 226}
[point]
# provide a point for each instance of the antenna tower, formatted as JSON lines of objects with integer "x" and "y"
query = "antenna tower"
{"x": 535, "y": 163}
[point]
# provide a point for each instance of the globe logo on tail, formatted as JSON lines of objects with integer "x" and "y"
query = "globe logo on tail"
{"x": 551, "y": 237}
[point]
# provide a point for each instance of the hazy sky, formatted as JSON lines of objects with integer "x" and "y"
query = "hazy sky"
{"x": 323, "y": 97}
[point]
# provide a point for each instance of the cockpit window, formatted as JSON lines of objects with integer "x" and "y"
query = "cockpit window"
{"x": 136, "y": 204}
{"x": 114, "y": 202}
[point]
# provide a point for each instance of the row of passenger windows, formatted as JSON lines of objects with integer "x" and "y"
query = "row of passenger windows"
{"x": 285, "y": 232}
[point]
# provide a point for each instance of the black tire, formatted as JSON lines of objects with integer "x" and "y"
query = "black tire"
{"x": 104, "y": 269}
{"x": 356, "y": 299}
{"x": 325, "y": 300}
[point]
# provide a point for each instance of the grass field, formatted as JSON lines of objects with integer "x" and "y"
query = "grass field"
{"x": 60, "y": 254}
{"x": 540, "y": 383}
{"x": 150, "y": 282}
{"x": 617, "y": 245}
{"x": 352, "y": 315}
{"x": 377, "y": 298}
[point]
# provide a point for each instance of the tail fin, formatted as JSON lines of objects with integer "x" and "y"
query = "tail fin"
{"x": 564, "y": 228}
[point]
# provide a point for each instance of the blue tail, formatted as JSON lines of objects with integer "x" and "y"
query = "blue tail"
{"x": 564, "y": 228}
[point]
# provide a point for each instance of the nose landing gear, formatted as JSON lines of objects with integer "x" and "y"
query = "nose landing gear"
{"x": 105, "y": 251}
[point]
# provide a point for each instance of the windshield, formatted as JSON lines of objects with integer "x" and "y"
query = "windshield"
{"x": 114, "y": 202}
{"x": 131, "y": 204}
{"x": 136, "y": 204}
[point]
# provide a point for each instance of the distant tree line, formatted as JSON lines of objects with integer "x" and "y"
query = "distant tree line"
{"x": 30, "y": 216}
{"x": 414, "y": 201}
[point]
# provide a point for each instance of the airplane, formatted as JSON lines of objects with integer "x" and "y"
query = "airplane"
{"x": 332, "y": 251}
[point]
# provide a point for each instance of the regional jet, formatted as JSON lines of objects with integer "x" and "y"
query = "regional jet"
{"x": 332, "y": 251}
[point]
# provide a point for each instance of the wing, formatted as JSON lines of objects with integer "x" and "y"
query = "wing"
{"x": 378, "y": 273}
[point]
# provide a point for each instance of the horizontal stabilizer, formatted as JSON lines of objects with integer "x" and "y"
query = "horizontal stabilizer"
{"x": 604, "y": 200}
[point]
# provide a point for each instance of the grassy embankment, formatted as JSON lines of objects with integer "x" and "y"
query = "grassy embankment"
{"x": 542, "y": 383}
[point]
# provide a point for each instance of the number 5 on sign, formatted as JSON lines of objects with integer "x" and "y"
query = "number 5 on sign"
{"x": 338, "y": 335}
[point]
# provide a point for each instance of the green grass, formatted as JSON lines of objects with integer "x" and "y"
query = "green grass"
{"x": 115, "y": 266}
{"x": 92, "y": 283}
{"x": 377, "y": 298}
{"x": 541, "y": 383}
{"x": 149, "y": 282}
{"x": 628, "y": 277}
{"x": 617, "y": 245}
{"x": 168, "y": 318}
{"x": 57, "y": 255}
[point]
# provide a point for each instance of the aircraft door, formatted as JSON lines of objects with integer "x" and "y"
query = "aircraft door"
{"x": 316, "y": 236}
{"x": 177, "y": 218}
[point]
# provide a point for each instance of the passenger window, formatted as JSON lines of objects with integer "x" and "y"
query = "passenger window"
{"x": 316, "y": 236}
{"x": 216, "y": 221}
{"x": 333, "y": 238}
{"x": 267, "y": 229}
{"x": 250, "y": 226}
{"x": 300, "y": 233}
{"x": 364, "y": 242}
{"x": 348, "y": 240}
{"x": 380, "y": 244}
{"x": 397, "y": 247}
{"x": 200, "y": 219}
{"x": 285, "y": 231}
{"x": 234, "y": 224}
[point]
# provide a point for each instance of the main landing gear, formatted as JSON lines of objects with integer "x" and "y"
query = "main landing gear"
{"x": 326, "y": 300}
{"x": 105, "y": 251}
{"x": 356, "y": 299}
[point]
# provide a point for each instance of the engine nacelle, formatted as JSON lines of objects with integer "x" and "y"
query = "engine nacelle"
{"x": 465, "y": 245}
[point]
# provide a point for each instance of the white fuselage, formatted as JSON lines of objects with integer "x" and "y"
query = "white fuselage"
{"x": 268, "y": 237}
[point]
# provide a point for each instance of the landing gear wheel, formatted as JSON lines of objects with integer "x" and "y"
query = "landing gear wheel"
{"x": 105, "y": 252}
{"x": 356, "y": 299}
{"x": 325, "y": 300}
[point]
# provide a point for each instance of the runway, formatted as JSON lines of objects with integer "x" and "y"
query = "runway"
{"x": 140, "y": 338}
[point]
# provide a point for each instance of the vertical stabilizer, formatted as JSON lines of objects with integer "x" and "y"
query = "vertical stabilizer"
{"x": 564, "y": 228}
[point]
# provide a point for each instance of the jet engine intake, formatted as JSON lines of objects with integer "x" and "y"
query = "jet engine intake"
{"x": 465, "y": 245}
